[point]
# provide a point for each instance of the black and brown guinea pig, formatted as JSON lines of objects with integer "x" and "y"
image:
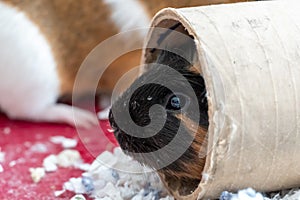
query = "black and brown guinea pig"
{"x": 175, "y": 87}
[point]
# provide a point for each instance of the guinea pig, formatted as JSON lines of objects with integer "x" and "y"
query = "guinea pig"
{"x": 58, "y": 35}
{"x": 29, "y": 84}
{"x": 177, "y": 109}
{"x": 73, "y": 29}
{"x": 43, "y": 46}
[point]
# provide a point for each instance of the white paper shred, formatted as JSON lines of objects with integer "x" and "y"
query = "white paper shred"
{"x": 1, "y": 168}
{"x": 12, "y": 163}
{"x": 82, "y": 166}
{"x": 167, "y": 198}
{"x": 74, "y": 184}
{"x": 66, "y": 143}
{"x": 246, "y": 194}
{"x": 111, "y": 176}
{"x": 103, "y": 115}
{"x": 37, "y": 174}
{"x": 68, "y": 158}
{"x": 50, "y": 163}
{"x": 7, "y": 130}
{"x": 39, "y": 148}
{"x": 2, "y": 157}
{"x": 78, "y": 197}
{"x": 59, "y": 192}
{"x": 250, "y": 194}
{"x": 293, "y": 195}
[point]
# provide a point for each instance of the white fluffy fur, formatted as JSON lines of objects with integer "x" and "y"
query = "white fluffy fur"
{"x": 129, "y": 15}
{"x": 29, "y": 84}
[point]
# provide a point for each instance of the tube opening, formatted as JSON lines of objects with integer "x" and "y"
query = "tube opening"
{"x": 174, "y": 36}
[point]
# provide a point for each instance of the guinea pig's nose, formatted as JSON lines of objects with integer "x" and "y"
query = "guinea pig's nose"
{"x": 112, "y": 122}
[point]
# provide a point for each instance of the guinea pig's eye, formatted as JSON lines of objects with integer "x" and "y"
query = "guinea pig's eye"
{"x": 177, "y": 102}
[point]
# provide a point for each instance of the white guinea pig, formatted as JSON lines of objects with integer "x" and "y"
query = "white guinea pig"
{"x": 29, "y": 84}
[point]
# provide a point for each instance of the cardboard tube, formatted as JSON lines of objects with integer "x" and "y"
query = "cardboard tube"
{"x": 249, "y": 58}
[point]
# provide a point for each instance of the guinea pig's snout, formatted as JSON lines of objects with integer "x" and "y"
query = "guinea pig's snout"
{"x": 113, "y": 123}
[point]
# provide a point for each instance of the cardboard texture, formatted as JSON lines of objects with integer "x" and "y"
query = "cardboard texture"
{"x": 250, "y": 60}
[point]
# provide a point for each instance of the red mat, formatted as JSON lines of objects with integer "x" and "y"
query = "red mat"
{"x": 17, "y": 139}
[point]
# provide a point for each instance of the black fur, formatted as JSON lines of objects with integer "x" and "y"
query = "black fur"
{"x": 144, "y": 97}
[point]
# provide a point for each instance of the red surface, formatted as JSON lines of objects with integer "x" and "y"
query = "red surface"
{"x": 15, "y": 181}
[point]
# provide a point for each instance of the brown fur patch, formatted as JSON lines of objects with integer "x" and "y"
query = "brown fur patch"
{"x": 74, "y": 28}
{"x": 194, "y": 69}
{"x": 197, "y": 131}
{"x": 193, "y": 167}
